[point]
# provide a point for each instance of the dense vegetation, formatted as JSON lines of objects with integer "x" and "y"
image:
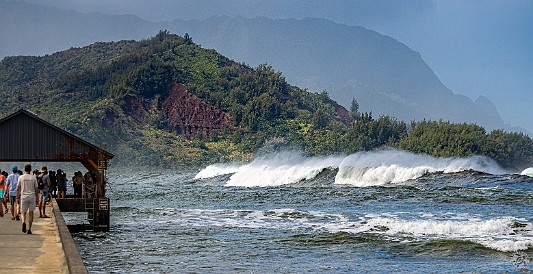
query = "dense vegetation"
{"x": 86, "y": 91}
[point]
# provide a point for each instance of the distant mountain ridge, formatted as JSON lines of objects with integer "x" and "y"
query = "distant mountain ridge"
{"x": 384, "y": 75}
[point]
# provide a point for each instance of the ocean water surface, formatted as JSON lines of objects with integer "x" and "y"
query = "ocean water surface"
{"x": 375, "y": 212}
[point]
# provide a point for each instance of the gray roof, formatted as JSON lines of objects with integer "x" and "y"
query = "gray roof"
{"x": 26, "y": 137}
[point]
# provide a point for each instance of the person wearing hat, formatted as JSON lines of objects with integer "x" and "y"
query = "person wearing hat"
{"x": 12, "y": 180}
{"x": 44, "y": 198}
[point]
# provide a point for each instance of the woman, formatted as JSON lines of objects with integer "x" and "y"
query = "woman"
{"x": 3, "y": 188}
{"x": 53, "y": 189}
{"x": 60, "y": 179}
{"x": 2, "y": 194}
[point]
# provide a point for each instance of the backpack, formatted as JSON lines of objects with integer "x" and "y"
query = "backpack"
{"x": 40, "y": 183}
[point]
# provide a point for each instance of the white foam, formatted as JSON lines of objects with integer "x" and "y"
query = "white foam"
{"x": 217, "y": 170}
{"x": 527, "y": 172}
{"x": 498, "y": 233}
{"x": 272, "y": 219}
{"x": 451, "y": 228}
{"x": 360, "y": 169}
{"x": 394, "y": 166}
{"x": 281, "y": 169}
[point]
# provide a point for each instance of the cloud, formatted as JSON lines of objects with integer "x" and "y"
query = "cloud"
{"x": 343, "y": 11}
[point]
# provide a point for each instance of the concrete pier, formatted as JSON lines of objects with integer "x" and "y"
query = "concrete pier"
{"x": 50, "y": 249}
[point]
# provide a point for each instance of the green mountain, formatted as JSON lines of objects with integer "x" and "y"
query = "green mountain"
{"x": 162, "y": 101}
{"x": 168, "y": 102}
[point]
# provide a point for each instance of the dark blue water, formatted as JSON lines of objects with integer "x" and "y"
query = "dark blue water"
{"x": 437, "y": 222}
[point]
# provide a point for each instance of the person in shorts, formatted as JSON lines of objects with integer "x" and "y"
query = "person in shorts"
{"x": 60, "y": 178}
{"x": 11, "y": 187}
{"x": 44, "y": 198}
{"x": 28, "y": 190}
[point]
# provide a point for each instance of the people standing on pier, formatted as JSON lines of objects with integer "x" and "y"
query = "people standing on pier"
{"x": 77, "y": 184}
{"x": 6, "y": 192}
{"x": 28, "y": 189}
{"x": 2, "y": 194}
{"x": 44, "y": 198}
{"x": 12, "y": 180}
{"x": 53, "y": 189}
{"x": 65, "y": 184}
{"x": 60, "y": 179}
{"x": 89, "y": 185}
{"x": 36, "y": 173}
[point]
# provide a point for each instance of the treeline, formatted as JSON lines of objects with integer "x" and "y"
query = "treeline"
{"x": 437, "y": 138}
{"x": 445, "y": 139}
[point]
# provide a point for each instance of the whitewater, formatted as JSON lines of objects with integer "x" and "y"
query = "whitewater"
{"x": 383, "y": 211}
{"x": 360, "y": 169}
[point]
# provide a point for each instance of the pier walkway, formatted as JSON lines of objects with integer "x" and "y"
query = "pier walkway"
{"x": 41, "y": 252}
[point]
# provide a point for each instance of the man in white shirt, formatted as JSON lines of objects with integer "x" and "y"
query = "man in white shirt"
{"x": 29, "y": 196}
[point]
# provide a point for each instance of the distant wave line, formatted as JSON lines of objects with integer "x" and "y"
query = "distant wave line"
{"x": 385, "y": 167}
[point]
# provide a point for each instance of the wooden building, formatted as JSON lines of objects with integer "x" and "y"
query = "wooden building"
{"x": 24, "y": 137}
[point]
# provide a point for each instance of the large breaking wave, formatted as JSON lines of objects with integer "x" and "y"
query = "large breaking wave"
{"x": 394, "y": 166}
{"x": 272, "y": 170}
{"x": 360, "y": 169}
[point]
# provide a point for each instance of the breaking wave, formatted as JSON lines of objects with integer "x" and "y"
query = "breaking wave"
{"x": 394, "y": 166}
{"x": 506, "y": 234}
{"x": 217, "y": 170}
{"x": 359, "y": 169}
{"x": 527, "y": 172}
{"x": 281, "y": 169}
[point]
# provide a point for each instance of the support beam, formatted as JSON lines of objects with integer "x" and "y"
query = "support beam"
{"x": 89, "y": 164}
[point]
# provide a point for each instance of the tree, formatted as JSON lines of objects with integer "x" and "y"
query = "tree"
{"x": 320, "y": 120}
{"x": 354, "y": 109}
{"x": 188, "y": 39}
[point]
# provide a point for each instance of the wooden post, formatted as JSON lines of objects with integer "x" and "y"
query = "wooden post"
{"x": 100, "y": 177}
{"x": 101, "y": 203}
{"x": 100, "y": 184}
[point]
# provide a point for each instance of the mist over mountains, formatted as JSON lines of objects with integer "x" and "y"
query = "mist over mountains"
{"x": 384, "y": 75}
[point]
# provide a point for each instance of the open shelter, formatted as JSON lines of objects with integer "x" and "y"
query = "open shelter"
{"x": 28, "y": 138}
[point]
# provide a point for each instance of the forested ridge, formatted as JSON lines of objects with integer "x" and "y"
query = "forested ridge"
{"x": 166, "y": 101}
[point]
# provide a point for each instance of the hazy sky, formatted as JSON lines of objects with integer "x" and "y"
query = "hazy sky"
{"x": 475, "y": 47}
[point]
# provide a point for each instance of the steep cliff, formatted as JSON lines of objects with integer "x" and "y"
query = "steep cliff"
{"x": 190, "y": 116}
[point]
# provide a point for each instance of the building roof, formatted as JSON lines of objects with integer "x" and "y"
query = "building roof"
{"x": 26, "y": 137}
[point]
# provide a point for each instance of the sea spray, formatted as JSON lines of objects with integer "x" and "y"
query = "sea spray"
{"x": 394, "y": 166}
{"x": 217, "y": 170}
{"x": 360, "y": 169}
{"x": 281, "y": 169}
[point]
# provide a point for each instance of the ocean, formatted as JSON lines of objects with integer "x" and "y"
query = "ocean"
{"x": 372, "y": 212}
